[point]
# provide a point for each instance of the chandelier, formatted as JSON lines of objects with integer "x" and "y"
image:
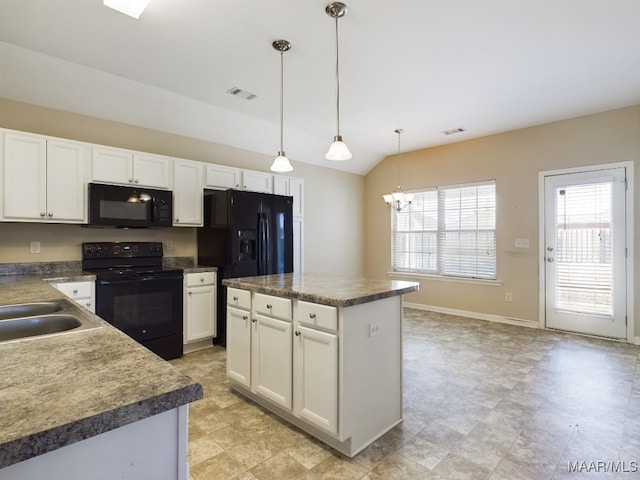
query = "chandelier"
{"x": 398, "y": 199}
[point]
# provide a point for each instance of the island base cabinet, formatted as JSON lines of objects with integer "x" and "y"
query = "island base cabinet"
{"x": 345, "y": 365}
{"x": 153, "y": 448}
{"x": 239, "y": 346}
{"x": 315, "y": 374}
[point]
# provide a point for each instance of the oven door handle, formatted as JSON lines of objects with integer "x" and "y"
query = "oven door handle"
{"x": 139, "y": 279}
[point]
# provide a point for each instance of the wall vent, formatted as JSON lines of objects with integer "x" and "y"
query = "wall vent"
{"x": 454, "y": 131}
{"x": 238, "y": 92}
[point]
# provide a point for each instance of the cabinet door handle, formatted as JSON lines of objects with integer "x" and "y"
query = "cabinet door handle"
{"x": 235, "y": 299}
{"x": 136, "y": 181}
{"x": 312, "y": 315}
{"x": 202, "y": 279}
{"x": 190, "y": 293}
{"x": 244, "y": 317}
{"x": 297, "y": 333}
{"x": 254, "y": 320}
{"x": 269, "y": 307}
{"x": 131, "y": 180}
{"x": 42, "y": 214}
{"x": 75, "y": 290}
{"x": 51, "y": 214}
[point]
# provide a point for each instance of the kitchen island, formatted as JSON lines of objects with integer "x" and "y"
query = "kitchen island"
{"x": 88, "y": 404}
{"x": 322, "y": 352}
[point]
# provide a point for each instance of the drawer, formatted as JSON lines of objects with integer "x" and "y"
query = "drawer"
{"x": 204, "y": 278}
{"x": 239, "y": 298}
{"x": 273, "y": 306}
{"x": 75, "y": 289}
{"x": 316, "y": 315}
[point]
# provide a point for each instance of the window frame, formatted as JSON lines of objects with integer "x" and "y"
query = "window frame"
{"x": 439, "y": 272}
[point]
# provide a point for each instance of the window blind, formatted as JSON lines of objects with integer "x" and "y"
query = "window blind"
{"x": 447, "y": 231}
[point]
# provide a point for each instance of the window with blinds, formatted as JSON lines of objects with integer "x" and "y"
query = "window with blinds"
{"x": 447, "y": 231}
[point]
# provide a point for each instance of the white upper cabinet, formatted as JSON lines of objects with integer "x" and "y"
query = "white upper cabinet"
{"x": 42, "y": 179}
{"x": 112, "y": 165}
{"x": 291, "y": 186}
{"x": 257, "y": 181}
{"x": 187, "y": 193}
{"x": 222, "y": 177}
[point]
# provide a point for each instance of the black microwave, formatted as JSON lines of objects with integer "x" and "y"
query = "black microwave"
{"x": 133, "y": 207}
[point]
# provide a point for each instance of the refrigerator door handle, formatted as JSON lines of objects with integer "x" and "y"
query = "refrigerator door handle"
{"x": 262, "y": 244}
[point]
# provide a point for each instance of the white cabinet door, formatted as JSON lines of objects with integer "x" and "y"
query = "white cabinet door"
{"x": 280, "y": 185}
{"x": 66, "y": 184}
{"x": 24, "y": 177}
{"x": 257, "y": 181}
{"x": 111, "y": 165}
{"x": 296, "y": 190}
{"x": 151, "y": 170}
{"x": 187, "y": 193}
{"x": 222, "y": 177}
{"x": 239, "y": 346}
{"x": 315, "y": 371}
{"x": 83, "y": 293}
{"x": 201, "y": 307}
{"x": 298, "y": 244}
{"x": 271, "y": 350}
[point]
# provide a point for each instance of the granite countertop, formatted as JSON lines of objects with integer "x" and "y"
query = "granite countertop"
{"x": 325, "y": 289}
{"x": 58, "y": 390}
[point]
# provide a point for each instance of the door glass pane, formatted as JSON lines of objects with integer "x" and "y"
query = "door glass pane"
{"x": 584, "y": 253}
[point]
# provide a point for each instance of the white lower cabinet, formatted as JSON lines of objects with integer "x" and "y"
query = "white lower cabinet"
{"x": 271, "y": 355}
{"x": 316, "y": 377}
{"x": 239, "y": 346}
{"x": 200, "y": 306}
{"x": 83, "y": 293}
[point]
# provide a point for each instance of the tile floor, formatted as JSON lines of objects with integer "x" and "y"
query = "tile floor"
{"x": 482, "y": 400}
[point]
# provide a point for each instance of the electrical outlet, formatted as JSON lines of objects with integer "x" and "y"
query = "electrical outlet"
{"x": 522, "y": 243}
{"x": 34, "y": 247}
{"x": 374, "y": 329}
{"x": 508, "y": 297}
{"x": 169, "y": 245}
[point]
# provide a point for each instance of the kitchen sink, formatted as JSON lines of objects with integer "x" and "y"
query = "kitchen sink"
{"x": 30, "y": 309}
{"x": 38, "y": 319}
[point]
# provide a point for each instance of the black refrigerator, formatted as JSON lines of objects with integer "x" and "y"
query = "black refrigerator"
{"x": 244, "y": 234}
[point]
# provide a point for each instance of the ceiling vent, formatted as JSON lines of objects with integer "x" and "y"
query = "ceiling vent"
{"x": 238, "y": 92}
{"x": 453, "y": 131}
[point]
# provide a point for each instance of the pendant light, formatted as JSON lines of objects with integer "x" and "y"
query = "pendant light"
{"x": 281, "y": 162}
{"x": 398, "y": 199}
{"x": 338, "y": 149}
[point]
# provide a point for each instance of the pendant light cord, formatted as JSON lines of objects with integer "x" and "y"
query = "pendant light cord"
{"x": 337, "y": 82}
{"x": 282, "y": 101}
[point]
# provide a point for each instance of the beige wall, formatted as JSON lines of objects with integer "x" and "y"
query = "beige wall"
{"x": 333, "y": 226}
{"x": 513, "y": 159}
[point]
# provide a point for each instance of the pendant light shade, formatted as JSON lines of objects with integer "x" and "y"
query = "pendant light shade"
{"x": 338, "y": 149}
{"x": 281, "y": 163}
{"x": 398, "y": 199}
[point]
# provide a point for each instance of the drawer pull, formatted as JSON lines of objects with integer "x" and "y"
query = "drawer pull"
{"x": 297, "y": 333}
{"x": 269, "y": 306}
{"x": 312, "y": 315}
{"x": 235, "y": 299}
{"x": 244, "y": 317}
{"x": 202, "y": 279}
{"x": 75, "y": 290}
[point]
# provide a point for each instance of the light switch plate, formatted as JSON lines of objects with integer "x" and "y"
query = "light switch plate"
{"x": 522, "y": 243}
{"x": 34, "y": 247}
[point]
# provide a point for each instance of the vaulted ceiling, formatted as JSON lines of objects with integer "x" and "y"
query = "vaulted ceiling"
{"x": 423, "y": 65}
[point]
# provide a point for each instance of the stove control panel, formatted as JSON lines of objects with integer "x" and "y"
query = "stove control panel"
{"x": 121, "y": 249}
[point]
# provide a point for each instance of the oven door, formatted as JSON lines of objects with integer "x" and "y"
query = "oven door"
{"x": 146, "y": 308}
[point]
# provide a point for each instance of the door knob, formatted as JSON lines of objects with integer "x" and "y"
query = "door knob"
{"x": 550, "y": 260}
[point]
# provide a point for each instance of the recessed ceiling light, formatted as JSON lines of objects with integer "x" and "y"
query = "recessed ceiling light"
{"x": 238, "y": 92}
{"x": 454, "y": 131}
{"x": 133, "y": 8}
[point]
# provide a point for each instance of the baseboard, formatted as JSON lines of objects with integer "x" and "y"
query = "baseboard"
{"x": 476, "y": 315}
{"x": 636, "y": 340}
